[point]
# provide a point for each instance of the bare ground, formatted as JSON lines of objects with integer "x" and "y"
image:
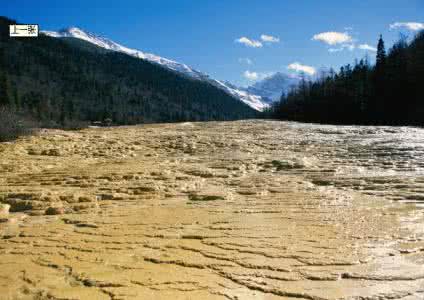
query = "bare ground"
{"x": 236, "y": 210}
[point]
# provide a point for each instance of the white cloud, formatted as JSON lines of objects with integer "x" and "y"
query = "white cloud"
{"x": 367, "y": 47}
{"x": 245, "y": 60}
{"x": 269, "y": 38}
{"x": 249, "y": 43}
{"x": 254, "y": 76}
{"x": 302, "y": 68}
{"x": 349, "y": 47}
{"x": 352, "y": 47}
{"x": 334, "y": 50}
{"x": 332, "y": 37}
{"x": 414, "y": 26}
{"x": 251, "y": 75}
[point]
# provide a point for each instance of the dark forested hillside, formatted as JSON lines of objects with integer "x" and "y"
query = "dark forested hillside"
{"x": 60, "y": 81}
{"x": 389, "y": 93}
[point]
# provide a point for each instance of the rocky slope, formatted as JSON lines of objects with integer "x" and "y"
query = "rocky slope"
{"x": 236, "y": 210}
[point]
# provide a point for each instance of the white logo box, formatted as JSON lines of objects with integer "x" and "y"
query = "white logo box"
{"x": 23, "y": 30}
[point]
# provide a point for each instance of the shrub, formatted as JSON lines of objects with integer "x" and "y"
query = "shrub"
{"x": 13, "y": 126}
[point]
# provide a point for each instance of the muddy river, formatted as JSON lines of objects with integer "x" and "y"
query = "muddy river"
{"x": 219, "y": 210}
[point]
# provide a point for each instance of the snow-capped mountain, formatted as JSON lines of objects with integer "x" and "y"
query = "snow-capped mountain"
{"x": 271, "y": 87}
{"x": 253, "y": 101}
{"x": 111, "y": 45}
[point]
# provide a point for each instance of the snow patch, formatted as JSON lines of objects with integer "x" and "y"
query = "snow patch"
{"x": 253, "y": 101}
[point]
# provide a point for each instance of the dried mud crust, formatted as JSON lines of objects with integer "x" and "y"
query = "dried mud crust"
{"x": 235, "y": 210}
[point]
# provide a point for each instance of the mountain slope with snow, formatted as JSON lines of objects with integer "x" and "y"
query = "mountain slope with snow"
{"x": 271, "y": 87}
{"x": 253, "y": 101}
{"x": 71, "y": 82}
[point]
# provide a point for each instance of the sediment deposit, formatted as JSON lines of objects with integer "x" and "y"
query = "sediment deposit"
{"x": 219, "y": 210}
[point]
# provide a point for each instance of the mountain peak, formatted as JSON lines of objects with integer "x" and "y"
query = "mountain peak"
{"x": 254, "y": 101}
{"x": 72, "y": 29}
{"x": 272, "y": 86}
{"x": 68, "y": 31}
{"x": 77, "y": 31}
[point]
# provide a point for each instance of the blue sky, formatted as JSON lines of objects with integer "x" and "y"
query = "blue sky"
{"x": 204, "y": 34}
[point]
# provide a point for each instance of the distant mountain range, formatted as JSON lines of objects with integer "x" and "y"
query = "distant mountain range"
{"x": 257, "y": 96}
{"x": 271, "y": 87}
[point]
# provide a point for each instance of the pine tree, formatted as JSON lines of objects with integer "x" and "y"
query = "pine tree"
{"x": 389, "y": 93}
{"x": 4, "y": 93}
{"x": 377, "y": 106}
{"x": 381, "y": 53}
{"x": 16, "y": 98}
{"x": 4, "y": 90}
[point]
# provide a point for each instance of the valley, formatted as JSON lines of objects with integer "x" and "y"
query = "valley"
{"x": 213, "y": 210}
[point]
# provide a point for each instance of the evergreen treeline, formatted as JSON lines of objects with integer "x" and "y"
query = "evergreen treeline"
{"x": 63, "y": 81}
{"x": 389, "y": 93}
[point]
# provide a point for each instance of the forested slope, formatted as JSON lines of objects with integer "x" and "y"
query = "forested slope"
{"x": 60, "y": 81}
{"x": 389, "y": 93}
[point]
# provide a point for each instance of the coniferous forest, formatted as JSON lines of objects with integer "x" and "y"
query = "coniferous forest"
{"x": 60, "y": 82}
{"x": 388, "y": 93}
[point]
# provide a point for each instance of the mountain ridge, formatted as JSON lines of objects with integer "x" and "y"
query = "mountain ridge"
{"x": 60, "y": 82}
{"x": 271, "y": 87}
{"x": 253, "y": 101}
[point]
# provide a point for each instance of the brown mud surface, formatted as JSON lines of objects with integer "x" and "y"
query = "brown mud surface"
{"x": 235, "y": 210}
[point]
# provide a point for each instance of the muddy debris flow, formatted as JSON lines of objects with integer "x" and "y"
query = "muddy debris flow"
{"x": 218, "y": 210}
